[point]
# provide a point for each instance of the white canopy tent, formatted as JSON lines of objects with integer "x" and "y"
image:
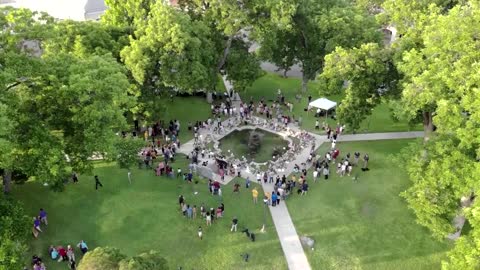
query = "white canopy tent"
{"x": 323, "y": 103}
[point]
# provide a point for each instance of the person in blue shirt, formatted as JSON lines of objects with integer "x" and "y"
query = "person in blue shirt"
{"x": 53, "y": 253}
{"x": 83, "y": 246}
{"x": 274, "y": 198}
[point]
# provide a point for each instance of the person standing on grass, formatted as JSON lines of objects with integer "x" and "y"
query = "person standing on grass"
{"x": 189, "y": 212}
{"x": 326, "y": 172}
{"x": 209, "y": 219}
{"x": 97, "y": 182}
{"x": 129, "y": 175}
{"x": 200, "y": 232}
{"x": 356, "y": 157}
{"x": 194, "y": 211}
{"x": 234, "y": 224}
{"x": 315, "y": 175}
{"x": 43, "y": 216}
{"x": 254, "y": 195}
{"x": 317, "y": 124}
{"x": 365, "y": 162}
{"x": 247, "y": 182}
{"x": 74, "y": 177}
{"x": 304, "y": 188}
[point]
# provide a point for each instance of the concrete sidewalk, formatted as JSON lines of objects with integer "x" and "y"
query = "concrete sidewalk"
{"x": 380, "y": 136}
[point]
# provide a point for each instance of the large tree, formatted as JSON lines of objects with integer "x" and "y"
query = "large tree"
{"x": 54, "y": 106}
{"x": 444, "y": 75}
{"x": 371, "y": 78}
{"x": 61, "y": 106}
{"x": 174, "y": 51}
{"x": 318, "y": 27}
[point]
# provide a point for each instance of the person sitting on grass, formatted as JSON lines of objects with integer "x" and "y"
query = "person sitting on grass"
{"x": 70, "y": 253}
{"x": 39, "y": 265}
{"x": 63, "y": 254}
{"x": 36, "y": 226}
{"x": 53, "y": 253}
{"x": 83, "y": 247}
{"x": 236, "y": 188}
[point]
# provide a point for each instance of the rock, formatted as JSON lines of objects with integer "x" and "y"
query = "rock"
{"x": 307, "y": 241}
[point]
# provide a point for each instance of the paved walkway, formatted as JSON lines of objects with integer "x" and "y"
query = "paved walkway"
{"x": 380, "y": 136}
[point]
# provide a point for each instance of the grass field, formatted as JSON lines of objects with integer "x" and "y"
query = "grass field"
{"x": 364, "y": 224}
{"x": 185, "y": 109}
{"x": 145, "y": 216}
{"x": 237, "y": 143}
{"x": 267, "y": 86}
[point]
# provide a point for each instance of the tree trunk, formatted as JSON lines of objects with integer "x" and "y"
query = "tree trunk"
{"x": 285, "y": 73}
{"x": 304, "y": 82}
{"x": 427, "y": 125}
{"x": 7, "y": 180}
{"x": 226, "y": 51}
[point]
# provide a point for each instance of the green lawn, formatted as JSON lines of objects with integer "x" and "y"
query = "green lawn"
{"x": 186, "y": 109}
{"x": 237, "y": 143}
{"x": 145, "y": 216}
{"x": 266, "y": 86}
{"x": 364, "y": 224}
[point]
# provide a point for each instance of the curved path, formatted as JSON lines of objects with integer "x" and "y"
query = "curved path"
{"x": 287, "y": 234}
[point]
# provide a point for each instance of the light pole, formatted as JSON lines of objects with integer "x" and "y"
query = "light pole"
{"x": 265, "y": 201}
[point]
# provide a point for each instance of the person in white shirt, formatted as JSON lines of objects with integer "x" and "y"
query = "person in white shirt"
{"x": 334, "y": 143}
{"x": 315, "y": 175}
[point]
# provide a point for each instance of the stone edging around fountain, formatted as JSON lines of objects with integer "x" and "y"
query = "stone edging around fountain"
{"x": 239, "y": 128}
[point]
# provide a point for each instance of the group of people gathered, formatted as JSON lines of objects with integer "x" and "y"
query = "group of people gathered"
{"x": 58, "y": 253}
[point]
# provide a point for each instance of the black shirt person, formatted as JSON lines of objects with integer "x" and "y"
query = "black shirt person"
{"x": 97, "y": 182}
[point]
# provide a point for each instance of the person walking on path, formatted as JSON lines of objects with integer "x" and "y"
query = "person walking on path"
{"x": 234, "y": 224}
{"x": 97, "y": 182}
{"x": 255, "y": 195}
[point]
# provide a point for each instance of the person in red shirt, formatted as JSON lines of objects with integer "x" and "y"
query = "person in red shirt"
{"x": 63, "y": 254}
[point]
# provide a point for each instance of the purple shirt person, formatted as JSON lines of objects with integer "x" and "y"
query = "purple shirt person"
{"x": 36, "y": 224}
{"x": 43, "y": 216}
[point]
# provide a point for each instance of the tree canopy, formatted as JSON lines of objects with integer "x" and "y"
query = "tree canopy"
{"x": 59, "y": 108}
{"x": 318, "y": 27}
